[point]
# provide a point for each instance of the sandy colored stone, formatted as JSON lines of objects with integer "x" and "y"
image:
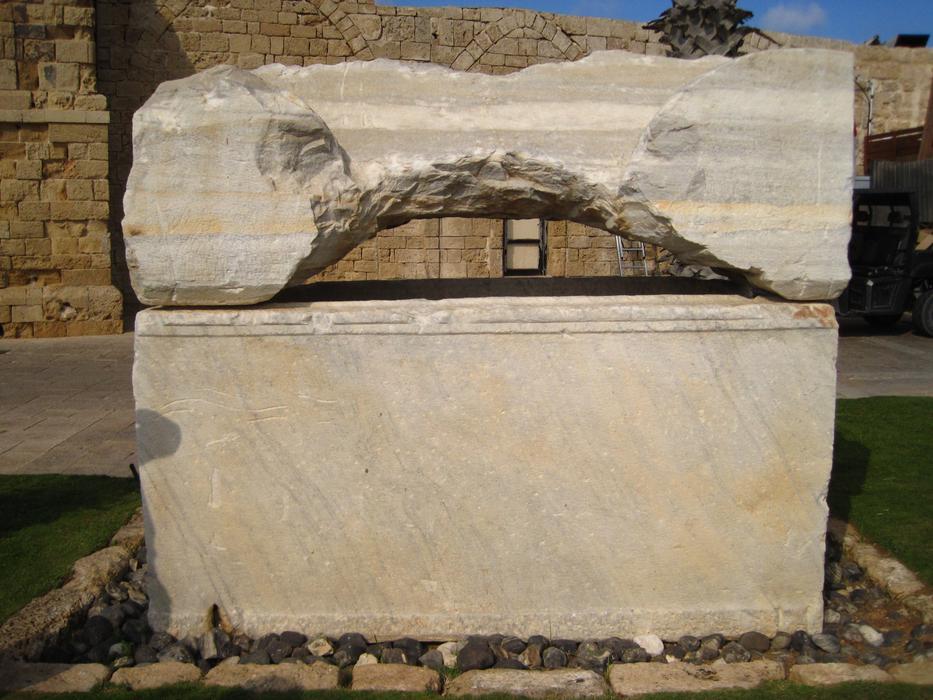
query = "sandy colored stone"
{"x": 156, "y": 675}
{"x": 830, "y": 674}
{"x": 273, "y": 678}
{"x": 396, "y": 677}
{"x": 246, "y": 182}
{"x": 678, "y": 677}
{"x": 293, "y": 432}
{"x": 562, "y": 683}
{"x": 51, "y": 678}
{"x": 918, "y": 673}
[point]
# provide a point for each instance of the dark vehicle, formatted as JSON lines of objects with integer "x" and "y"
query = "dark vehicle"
{"x": 889, "y": 275}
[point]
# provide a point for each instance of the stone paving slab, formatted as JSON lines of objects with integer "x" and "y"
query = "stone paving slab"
{"x": 156, "y": 675}
{"x": 830, "y": 674}
{"x": 640, "y": 679}
{"x": 66, "y": 406}
{"x": 917, "y": 673}
{"x": 892, "y": 362}
{"x": 51, "y": 678}
{"x": 268, "y": 679}
{"x": 563, "y": 683}
{"x": 396, "y": 677}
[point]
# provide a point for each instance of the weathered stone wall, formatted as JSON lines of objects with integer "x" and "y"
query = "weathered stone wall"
{"x": 54, "y": 193}
{"x": 471, "y": 248}
{"x": 47, "y": 68}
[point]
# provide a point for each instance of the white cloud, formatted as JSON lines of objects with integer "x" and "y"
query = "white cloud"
{"x": 794, "y": 18}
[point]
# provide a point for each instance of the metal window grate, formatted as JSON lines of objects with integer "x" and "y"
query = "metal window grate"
{"x": 524, "y": 246}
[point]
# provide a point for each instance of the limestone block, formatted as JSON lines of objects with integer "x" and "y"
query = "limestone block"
{"x": 51, "y": 678}
{"x": 562, "y": 683}
{"x": 918, "y": 673}
{"x": 578, "y": 466}
{"x": 832, "y": 673}
{"x": 396, "y": 677}
{"x": 157, "y": 675}
{"x": 677, "y": 677}
{"x": 273, "y": 679}
{"x": 246, "y": 182}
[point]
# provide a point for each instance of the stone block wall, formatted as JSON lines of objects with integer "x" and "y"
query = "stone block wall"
{"x": 471, "y": 248}
{"x": 53, "y": 72}
{"x": 55, "y": 266}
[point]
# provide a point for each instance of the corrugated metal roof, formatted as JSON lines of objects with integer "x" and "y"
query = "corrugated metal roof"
{"x": 912, "y": 176}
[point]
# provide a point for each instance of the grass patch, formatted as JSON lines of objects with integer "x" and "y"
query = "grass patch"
{"x": 775, "y": 690}
{"x": 47, "y": 522}
{"x": 882, "y": 478}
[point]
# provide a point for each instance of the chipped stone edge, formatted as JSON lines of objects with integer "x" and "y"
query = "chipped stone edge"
{"x": 882, "y": 568}
{"x": 39, "y": 624}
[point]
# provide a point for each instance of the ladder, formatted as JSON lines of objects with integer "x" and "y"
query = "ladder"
{"x": 636, "y": 264}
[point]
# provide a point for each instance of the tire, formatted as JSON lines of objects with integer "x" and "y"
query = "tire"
{"x": 885, "y": 321}
{"x": 923, "y": 314}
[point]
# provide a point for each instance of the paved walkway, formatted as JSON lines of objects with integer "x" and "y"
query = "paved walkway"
{"x": 883, "y": 363}
{"x": 66, "y": 405}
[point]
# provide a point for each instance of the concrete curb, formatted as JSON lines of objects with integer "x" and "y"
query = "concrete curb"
{"x": 885, "y": 570}
{"x": 27, "y": 634}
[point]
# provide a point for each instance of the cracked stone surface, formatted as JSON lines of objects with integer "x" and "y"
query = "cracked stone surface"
{"x": 245, "y": 182}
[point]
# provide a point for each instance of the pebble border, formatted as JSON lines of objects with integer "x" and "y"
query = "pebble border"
{"x": 44, "y": 620}
{"x": 889, "y": 573}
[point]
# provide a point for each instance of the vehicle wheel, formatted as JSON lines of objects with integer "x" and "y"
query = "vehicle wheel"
{"x": 885, "y": 321}
{"x": 923, "y": 313}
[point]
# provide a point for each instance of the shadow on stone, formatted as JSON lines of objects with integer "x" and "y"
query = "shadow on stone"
{"x": 156, "y": 435}
{"x": 502, "y": 287}
{"x": 850, "y": 467}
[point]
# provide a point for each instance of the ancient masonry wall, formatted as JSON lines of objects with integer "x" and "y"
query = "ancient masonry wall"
{"x": 50, "y": 63}
{"x": 55, "y": 265}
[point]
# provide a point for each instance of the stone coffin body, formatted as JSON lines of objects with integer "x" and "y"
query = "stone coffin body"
{"x": 568, "y": 466}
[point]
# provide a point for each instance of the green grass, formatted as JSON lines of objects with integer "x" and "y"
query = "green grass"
{"x": 47, "y": 522}
{"x": 778, "y": 690}
{"x": 882, "y": 478}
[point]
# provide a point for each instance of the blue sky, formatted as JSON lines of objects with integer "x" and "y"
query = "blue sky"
{"x": 853, "y": 20}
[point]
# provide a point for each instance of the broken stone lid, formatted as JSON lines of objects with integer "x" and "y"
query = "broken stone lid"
{"x": 246, "y": 182}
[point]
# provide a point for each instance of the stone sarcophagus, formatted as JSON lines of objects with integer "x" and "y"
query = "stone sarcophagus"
{"x": 568, "y": 465}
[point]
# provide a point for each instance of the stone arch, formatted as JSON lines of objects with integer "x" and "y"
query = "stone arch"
{"x": 348, "y": 30}
{"x": 565, "y": 46}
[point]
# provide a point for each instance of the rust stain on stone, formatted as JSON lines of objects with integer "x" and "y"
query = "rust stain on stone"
{"x": 823, "y": 313}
